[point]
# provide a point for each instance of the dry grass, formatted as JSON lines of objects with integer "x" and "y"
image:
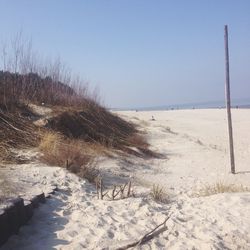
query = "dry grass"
{"x": 220, "y": 187}
{"x": 158, "y": 194}
{"x": 138, "y": 141}
{"x": 95, "y": 124}
{"x": 74, "y": 114}
{"x": 76, "y": 129}
{"x": 49, "y": 142}
{"x": 16, "y": 131}
{"x": 72, "y": 154}
{"x": 35, "y": 88}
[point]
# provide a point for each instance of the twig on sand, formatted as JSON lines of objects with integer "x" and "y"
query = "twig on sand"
{"x": 114, "y": 192}
{"x": 101, "y": 190}
{"x": 148, "y": 236}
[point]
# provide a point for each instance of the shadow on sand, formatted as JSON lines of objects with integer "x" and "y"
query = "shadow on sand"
{"x": 243, "y": 172}
{"x": 41, "y": 232}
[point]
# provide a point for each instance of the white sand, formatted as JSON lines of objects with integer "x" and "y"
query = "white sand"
{"x": 196, "y": 145}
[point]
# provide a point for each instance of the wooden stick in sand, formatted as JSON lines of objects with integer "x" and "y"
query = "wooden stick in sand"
{"x": 228, "y": 103}
{"x": 148, "y": 236}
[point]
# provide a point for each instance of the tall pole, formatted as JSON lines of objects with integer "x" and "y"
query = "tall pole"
{"x": 228, "y": 102}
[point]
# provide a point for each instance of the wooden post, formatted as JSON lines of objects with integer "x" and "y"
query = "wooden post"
{"x": 228, "y": 102}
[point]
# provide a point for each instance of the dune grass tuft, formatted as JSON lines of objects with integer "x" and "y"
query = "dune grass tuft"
{"x": 158, "y": 194}
{"x": 221, "y": 187}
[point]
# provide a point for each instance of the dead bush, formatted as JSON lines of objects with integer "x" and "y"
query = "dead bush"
{"x": 76, "y": 113}
{"x": 96, "y": 125}
{"x": 138, "y": 141}
{"x": 49, "y": 142}
{"x": 93, "y": 124}
{"x": 71, "y": 154}
{"x": 117, "y": 192}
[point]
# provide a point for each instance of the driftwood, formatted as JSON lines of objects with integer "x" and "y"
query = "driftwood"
{"x": 148, "y": 236}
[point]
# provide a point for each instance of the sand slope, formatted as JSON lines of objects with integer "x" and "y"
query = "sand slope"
{"x": 195, "y": 145}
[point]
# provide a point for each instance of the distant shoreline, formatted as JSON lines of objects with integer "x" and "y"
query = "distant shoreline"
{"x": 247, "y": 106}
{"x": 242, "y": 104}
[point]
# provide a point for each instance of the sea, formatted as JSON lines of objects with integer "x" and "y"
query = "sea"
{"x": 235, "y": 103}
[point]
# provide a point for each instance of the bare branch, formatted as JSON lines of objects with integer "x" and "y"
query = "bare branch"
{"x": 148, "y": 236}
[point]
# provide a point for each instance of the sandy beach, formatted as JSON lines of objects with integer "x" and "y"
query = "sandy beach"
{"x": 194, "y": 155}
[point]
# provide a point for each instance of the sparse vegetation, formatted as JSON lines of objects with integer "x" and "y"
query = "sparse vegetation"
{"x": 75, "y": 155}
{"x": 93, "y": 124}
{"x": 169, "y": 130}
{"x": 77, "y": 124}
{"x": 85, "y": 119}
{"x": 199, "y": 142}
{"x": 77, "y": 127}
{"x": 220, "y": 187}
{"x": 16, "y": 131}
{"x": 158, "y": 193}
{"x": 117, "y": 192}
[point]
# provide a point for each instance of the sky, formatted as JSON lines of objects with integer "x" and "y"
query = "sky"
{"x": 141, "y": 53}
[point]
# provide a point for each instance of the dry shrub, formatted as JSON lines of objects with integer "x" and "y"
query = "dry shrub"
{"x": 137, "y": 141}
{"x": 158, "y": 194}
{"x": 93, "y": 124}
{"x": 71, "y": 154}
{"x": 97, "y": 125}
{"x": 16, "y": 131}
{"x": 34, "y": 88}
{"x": 49, "y": 142}
{"x": 75, "y": 115}
{"x": 220, "y": 187}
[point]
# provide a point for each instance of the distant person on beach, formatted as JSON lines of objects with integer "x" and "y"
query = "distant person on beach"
{"x": 153, "y": 119}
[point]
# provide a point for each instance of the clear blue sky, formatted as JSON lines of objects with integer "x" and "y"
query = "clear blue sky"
{"x": 141, "y": 52}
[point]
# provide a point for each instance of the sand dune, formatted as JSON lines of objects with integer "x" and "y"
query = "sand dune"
{"x": 195, "y": 146}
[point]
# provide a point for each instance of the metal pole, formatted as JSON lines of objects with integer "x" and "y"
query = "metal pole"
{"x": 228, "y": 102}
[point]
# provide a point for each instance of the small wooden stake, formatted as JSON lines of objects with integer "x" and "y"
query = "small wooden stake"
{"x": 101, "y": 189}
{"x": 228, "y": 102}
